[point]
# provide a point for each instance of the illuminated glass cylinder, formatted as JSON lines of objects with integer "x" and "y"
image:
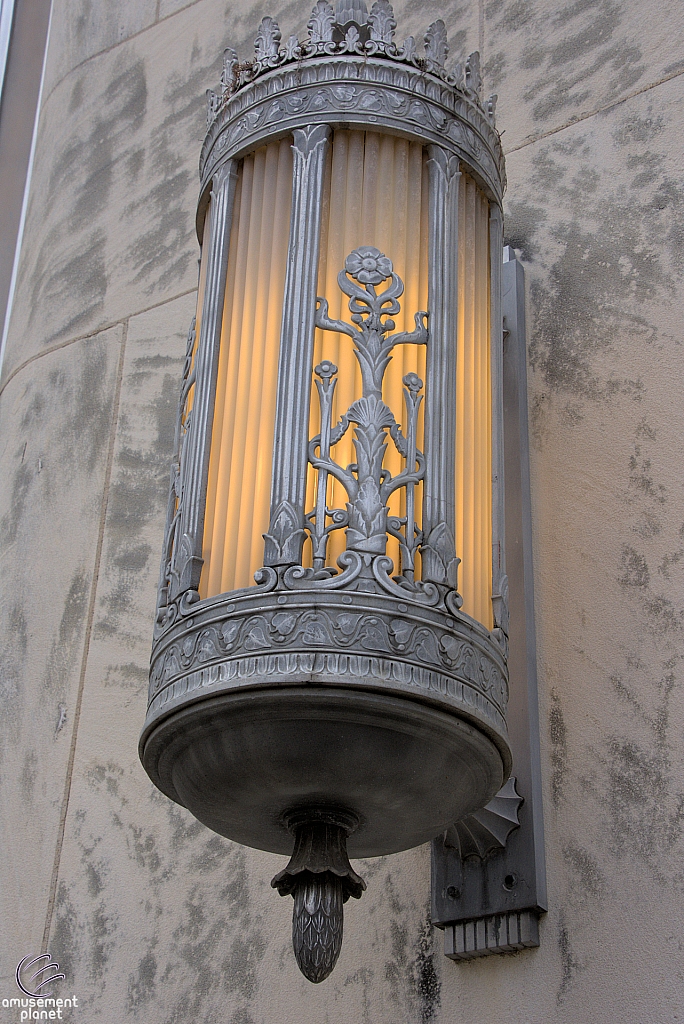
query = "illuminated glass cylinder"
{"x": 382, "y": 185}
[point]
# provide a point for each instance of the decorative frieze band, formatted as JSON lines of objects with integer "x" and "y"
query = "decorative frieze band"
{"x": 331, "y": 669}
{"x": 366, "y": 94}
{"x": 498, "y": 933}
{"x": 273, "y": 638}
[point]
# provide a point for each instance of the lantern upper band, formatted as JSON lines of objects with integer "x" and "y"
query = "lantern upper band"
{"x": 339, "y": 78}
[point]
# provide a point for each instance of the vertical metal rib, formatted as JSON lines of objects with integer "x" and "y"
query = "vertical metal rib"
{"x": 438, "y": 554}
{"x": 188, "y": 554}
{"x": 290, "y": 444}
{"x": 499, "y": 579}
{"x": 326, "y": 390}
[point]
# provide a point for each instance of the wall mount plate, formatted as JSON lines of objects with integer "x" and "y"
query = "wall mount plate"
{"x": 489, "y": 900}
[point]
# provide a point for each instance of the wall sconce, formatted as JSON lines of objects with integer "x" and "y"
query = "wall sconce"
{"x": 322, "y": 682}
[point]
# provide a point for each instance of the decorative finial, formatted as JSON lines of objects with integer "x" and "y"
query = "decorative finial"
{"x": 293, "y": 50}
{"x": 351, "y": 10}
{"x": 230, "y": 66}
{"x": 213, "y": 104}
{"x": 408, "y": 50}
{"x": 473, "y": 78}
{"x": 320, "y": 879}
{"x": 436, "y": 48}
{"x": 267, "y": 39}
{"x": 382, "y": 22}
{"x": 490, "y": 109}
{"x": 457, "y": 75}
{"x": 320, "y": 25}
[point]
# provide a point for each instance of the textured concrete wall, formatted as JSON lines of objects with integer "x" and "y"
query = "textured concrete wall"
{"x": 153, "y": 917}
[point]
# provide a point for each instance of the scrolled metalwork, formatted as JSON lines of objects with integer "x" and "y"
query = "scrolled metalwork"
{"x": 367, "y": 482}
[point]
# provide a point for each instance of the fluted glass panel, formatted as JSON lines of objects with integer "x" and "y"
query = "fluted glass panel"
{"x": 375, "y": 194}
{"x": 238, "y": 489}
{"x": 474, "y": 406}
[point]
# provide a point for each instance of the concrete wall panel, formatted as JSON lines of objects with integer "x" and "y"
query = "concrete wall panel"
{"x": 55, "y": 425}
{"x": 157, "y": 918}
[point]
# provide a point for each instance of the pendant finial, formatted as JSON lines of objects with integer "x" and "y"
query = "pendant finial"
{"x": 320, "y": 879}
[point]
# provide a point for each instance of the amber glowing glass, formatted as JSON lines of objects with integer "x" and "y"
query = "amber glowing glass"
{"x": 239, "y": 482}
{"x": 375, "y": 193}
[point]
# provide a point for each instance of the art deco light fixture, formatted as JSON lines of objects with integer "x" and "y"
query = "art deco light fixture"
{"x": 329, "y": 665}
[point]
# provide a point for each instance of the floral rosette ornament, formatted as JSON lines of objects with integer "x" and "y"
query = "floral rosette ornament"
{"x": 368, "y": 265}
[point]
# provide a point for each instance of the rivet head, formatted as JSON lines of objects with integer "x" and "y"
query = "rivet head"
{"x": 402, "y": 607}
{"x": 346, "y": 599}
{"x": 282, "y": 599}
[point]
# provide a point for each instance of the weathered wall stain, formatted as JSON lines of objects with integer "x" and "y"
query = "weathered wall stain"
{"x": 142, "y": 983}
{"x": 140, "y": 481}
{"x": 557, "y": 61}
{"x": 633, "y": 568}
{"x": 591, "y": 882}
{"x": 647, "y": 816}
{"x": 21, "y": 484}
{"x": 570, "y": 965}
{"x": 559, "y": 747}
{"x": 67, "y": 263}
{"x": 580, "y": 311}
{"x": 410, "y": 970}
{"x": 427, "y": 980}
{"x": 64, "y": 650}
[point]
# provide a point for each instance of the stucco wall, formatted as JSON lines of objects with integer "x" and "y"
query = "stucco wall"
{"x": 150, "y": 915}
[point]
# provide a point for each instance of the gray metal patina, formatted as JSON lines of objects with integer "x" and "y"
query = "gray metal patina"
{"x": 364, "y": 692}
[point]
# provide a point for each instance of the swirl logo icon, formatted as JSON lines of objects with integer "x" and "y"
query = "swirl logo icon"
{"x": 32, "y": 983}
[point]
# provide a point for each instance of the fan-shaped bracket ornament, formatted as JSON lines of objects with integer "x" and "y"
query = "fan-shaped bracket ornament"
{"x": 487, "y": 830}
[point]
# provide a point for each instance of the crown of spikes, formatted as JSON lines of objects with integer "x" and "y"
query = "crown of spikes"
{"x": 350, "y": 29}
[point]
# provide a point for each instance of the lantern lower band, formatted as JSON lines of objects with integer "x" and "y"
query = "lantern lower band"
{"x": 264, "y": 702}
{"x": 253, "y": 638}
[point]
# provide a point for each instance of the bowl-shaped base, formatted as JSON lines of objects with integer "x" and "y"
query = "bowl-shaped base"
{"x": 241, "y": 761}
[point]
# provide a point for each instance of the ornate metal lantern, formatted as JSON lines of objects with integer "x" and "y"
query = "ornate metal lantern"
{"x": 319, "y": 679}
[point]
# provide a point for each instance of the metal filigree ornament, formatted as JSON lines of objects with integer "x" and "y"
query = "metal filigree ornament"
{"x": 350, "y": 709}
{"x": 367, "y": 483}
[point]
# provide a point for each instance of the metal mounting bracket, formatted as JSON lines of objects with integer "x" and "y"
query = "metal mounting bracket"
{"x": 491, "y": 903}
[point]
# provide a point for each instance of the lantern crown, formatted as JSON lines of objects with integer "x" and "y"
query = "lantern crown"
{"x": 349, "y": 70}
{"x": 351, "y": 30}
